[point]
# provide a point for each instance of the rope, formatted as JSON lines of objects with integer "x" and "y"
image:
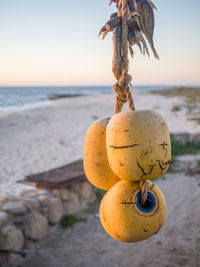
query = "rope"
{"x": 144, "y": 192}
{"x": 120, "y": 69}
{"x": 122, "y": 87}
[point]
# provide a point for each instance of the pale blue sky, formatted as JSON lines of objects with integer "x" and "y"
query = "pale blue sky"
{"x": 54, "y": 42}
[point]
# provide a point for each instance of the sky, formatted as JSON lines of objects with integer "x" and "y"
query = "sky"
{"x": 55, "y": 42}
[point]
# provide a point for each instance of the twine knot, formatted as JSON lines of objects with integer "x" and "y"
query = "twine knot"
{"x": 122, "y": 90}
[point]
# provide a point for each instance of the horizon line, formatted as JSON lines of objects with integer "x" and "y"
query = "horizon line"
{"x": 38, "y": 85}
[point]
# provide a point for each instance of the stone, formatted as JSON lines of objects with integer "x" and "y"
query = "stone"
{"x": 3, "y": 218}
{"x": 76, "y": 188}
{"x": 37, "y": 227}
{"x": 92, "y": 198}
{"x": 56, "y": 193}
{"x": 15, "y": 208}
{"x": 28, "y": 193}
{"x": 182, "y": 138}
{"x": 31, "y": 204}
{"x": 11, "y": 238}
{"x": 43, "y": 200}
{"x": 44, "y": 211}
{"x": 64, "y": 194}
{"x": 5, "y": 198}
{"x": 55, "y": 210}
{"x": 73, "y": 204}
{"x": 84, "y": 205}
{"x": 195, "y": 138}
{"x": 18, "y": 221}
{"x": 86, "y": 190}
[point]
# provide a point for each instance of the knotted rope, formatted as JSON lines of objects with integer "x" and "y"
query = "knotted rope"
{"x": 122, "y": 87}
{"x": 120, "y": 70}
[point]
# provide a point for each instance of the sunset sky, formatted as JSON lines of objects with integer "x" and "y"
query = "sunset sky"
{"x": 55, "y": 42}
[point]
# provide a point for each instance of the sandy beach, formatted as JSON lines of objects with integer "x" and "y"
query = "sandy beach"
{"x": 52, "y": 135}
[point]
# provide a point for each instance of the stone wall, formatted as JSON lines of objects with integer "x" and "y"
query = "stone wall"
{"x": 186, "y": 138}
{"x": 31, "y": 214}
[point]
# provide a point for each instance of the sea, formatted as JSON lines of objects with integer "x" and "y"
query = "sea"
{"x": 19, "y": 98}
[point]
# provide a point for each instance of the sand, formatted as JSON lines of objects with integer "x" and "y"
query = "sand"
{"x": 88, "y": 245}
{"x": 52, "y": 135}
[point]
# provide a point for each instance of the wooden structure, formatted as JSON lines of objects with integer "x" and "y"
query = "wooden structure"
{"x": 58, "y": 177}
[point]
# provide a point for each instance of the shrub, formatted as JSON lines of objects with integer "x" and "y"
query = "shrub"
{"x": 180, "y": 149}
{"x": 100, "y": 193}
{"x": 70, "y": 219}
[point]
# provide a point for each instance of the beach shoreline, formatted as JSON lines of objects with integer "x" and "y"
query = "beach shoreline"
{"x": 52, "y": 135}
{"x": 27, "y": 97}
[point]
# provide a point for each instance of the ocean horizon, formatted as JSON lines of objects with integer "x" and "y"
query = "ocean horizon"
{"x": 13, "y": 98}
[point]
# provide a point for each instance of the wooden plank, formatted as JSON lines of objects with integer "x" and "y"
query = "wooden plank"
{"x": 62, "y": 176}
{"x": 47, "y": 186}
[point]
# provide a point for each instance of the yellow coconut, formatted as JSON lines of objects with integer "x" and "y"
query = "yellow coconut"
{"x": 138, "y": 145}
{"x": 96, "y": 164}
{"x": 123, "y": 217}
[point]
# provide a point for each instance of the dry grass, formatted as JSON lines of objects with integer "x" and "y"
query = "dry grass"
{"x": 175, "y": 108}
{"x": 192, "y": 94}
{"x": 190, "y": 99}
